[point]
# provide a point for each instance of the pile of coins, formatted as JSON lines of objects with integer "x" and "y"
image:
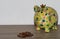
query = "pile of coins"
{"x": 25, "y": 34}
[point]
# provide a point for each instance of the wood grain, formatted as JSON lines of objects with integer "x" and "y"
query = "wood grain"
{"x": 11, "y": 31}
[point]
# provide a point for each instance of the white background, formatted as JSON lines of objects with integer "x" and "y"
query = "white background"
{"x": 20, "y": 12}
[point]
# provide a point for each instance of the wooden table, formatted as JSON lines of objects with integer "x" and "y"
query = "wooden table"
{"x": 11, "y": 31}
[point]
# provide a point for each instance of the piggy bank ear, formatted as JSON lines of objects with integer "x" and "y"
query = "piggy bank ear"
{"x": 36, "y": 8}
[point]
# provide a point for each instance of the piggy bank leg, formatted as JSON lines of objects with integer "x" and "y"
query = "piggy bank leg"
{"x": 54, "y": 27}
{"x": 37, "y": 24}
{"x": 37, "y": 28}
{"x": 47, "y": 29}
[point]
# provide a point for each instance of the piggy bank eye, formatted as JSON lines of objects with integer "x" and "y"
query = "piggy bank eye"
{"x": 43, "y": 20}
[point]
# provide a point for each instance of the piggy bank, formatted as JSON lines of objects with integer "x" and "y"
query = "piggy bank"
{"x": 45, "y": 17}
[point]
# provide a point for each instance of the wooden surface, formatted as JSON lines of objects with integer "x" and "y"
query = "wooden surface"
{"x": 11, "y": 31}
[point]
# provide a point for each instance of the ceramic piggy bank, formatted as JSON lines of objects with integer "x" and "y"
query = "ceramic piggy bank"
{"x": 45, "y": 18}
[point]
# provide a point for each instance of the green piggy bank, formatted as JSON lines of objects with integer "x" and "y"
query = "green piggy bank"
{"x": 45, "y": 18}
